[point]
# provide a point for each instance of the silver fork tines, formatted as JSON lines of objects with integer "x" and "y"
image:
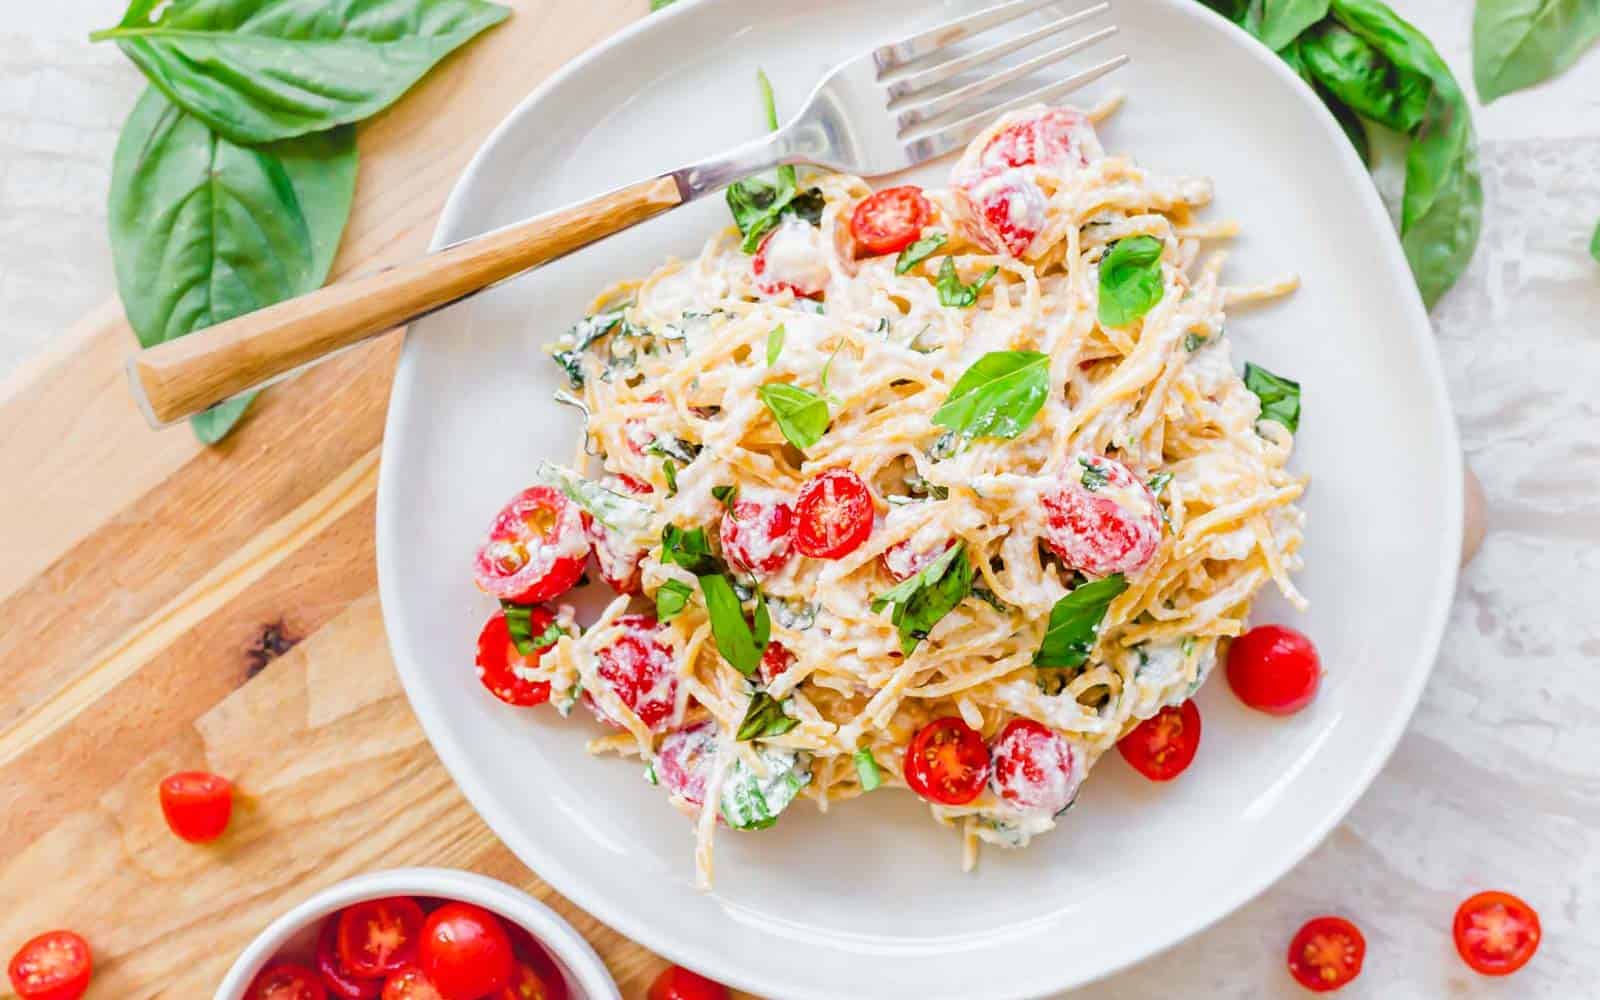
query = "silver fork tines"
{"x": 897, "y": 54}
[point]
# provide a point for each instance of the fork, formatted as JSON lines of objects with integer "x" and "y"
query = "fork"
{"x": 884, "y": 111}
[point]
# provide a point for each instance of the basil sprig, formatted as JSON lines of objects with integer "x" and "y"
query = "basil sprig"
{"x": 922, "y": 600}
{"x": 919, "y": 251}
{"x": 1130, "y": 280}
{"x": 765, "y": 717}
{"x": 1280, "y": 397}
{"x": 759, "y": 203}
{"x": 867, "y": 769}
{"x": 801, "y": 415}
{"x": 671, "y": 599}
{"x": 1075, "y": 623}
{"x": 955, "y": 293}
{"x": 1518, "y": 43}
{"x": 738, "y": 643}
{"x": 998, "y": 396}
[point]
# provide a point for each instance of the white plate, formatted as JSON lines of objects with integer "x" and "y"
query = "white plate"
{"x": 869, "y": 900}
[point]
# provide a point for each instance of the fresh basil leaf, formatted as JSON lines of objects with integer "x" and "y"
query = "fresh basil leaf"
{"x": 775, "y": 345}
{"x": 669, "y": 468}
{"x": 257, "y": 71}
{"x": 1075, "y": 623}
{"x": 689, "y": 549}
{"x": 726, "y": 495}
{"x": 729, "y": 629}
{"x": 921, "y": 601}
{"x": 582, "y": 336}
{"x": 988, "y": 597}
{"x": 867, "y": 770}
{"x": 953, "y": 292}
{"x": 1518, "y": 43}
{"x": 765, "y": 717}
{"x": 807, "y": 206}
{"x": 1280, "y": 397}
{"x": 1193, "y": 342}
{"x": 919, "y": 251}
{"x": 1092, "y": 478}
{"x": 671, "y": 598}
{"x": 519, "y": 623}
{"x": 1364, "y": 79}
{"x": 1282, "y": 21}
{"x": 1347, "y": 119}
{"x": 1158, "y": 482}
{"x": 998, "y": 396}
{"x": 759, "y": 203}
{"x": 752, "y": 801}
{"x": 1130, "y": 280}
{"x": 802, "y": 415}
{"x": 612, "y": 509}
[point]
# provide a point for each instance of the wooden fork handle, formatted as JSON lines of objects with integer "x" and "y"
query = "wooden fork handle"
{"x": 182, "y": 377}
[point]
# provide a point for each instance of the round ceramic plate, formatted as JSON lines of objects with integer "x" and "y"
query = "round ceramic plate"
{"x": 869, "y": 899}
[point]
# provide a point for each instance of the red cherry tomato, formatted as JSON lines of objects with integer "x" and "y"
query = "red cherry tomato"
{"x": 1326, "y": 954}
{"x": 53, "y": 966}
{"x": 287, "y": 981}
{"x": 1496, "y": 933}
{"x": 537, "y": 959}
{"x": 536, "y": 548}
{"x": 637, "y": 667}
{"x": 756, "y": 536}
{"x": 1006, "y": 211}
{"x": 1059, "y": 137}
{"x": 525, "y": 984}
{"x": 465, "y": 952}
{"x": 618, "y": 561}
{"x": 1099, "y": 519}
{"x": 833, "y": 515}
{"x": 1034, "y": 767}
{"x": 340, "y": 984}
{"x": 790, "y": 259}
{"x": 775, "y": 661}
{"x": 1163, "y": 746}
{"x": 497, "y": 655}
{"x": 197, "y": 805}
{"x": 947, "y": 762}
{"x": 904, "y": 560}
{"x": 410, "y": 984}
{"x": 379, "y": 936}
{"x": 683, "y": 763}
{"x": 890, "y": 220}
{"x": 678, "y": 983}
{"x": 1274, "y": 669}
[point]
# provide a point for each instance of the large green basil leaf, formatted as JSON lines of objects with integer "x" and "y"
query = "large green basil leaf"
{"x": 1282, "y": 21}
{"x": 1363, "y": 78}
{"x": 1518, "y": 43}
{"x": 998, "y": 396}
{"x": 1280, "y": 397}
{"x": 261, "y": 70}
{"x": 1075, "y": 620}
{"x": 921, "y": 601}
{"x": 1348, "y": 120}
{"x": 1130, "y": 280}
{"x": 801, "y": 415}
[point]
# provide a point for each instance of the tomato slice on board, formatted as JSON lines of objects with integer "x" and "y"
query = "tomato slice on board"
{"x": 340, "y": 983}
{"x": 1099, "y": 519}
{"x": 197, "y": 805}
{"x": 757, "y": 536}
{"x": 903, "y": 560}
{"x": 1034, "y": 767}
{"x": 947, "y": 762}
{"x": 535, "y": 550}
{"x": 1005, "y": 211}
{"x": 833, "y": 515}
{"x": 53, "y": 966}
{"x": 891, "y": 220}
{"x": 1163, "y": 746}
{"x": 525, "y": 984}
{"x": 379, "y": 936}
{"x": 497, "y": 655}
{"x": 790, "y": 259}
{"x": 410, "y": 984}
{"x": 1274, "y": 669}
{"x": 287, "y": 981}
{"x": 678, "y": 983}
{"x": 465, "y": 952}
{"x": 1496, "y": 933}
{"x": 618, "y": 561}
{"x": 1326, "y": 954}
{"x": 638, "y": 668}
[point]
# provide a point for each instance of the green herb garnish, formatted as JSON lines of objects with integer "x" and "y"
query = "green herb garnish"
{"x": 1092, "y": 478}
{"x": 519, "y": 623}
{"x": 922, "y": 600}
{"x": 998, "y": 396}
{"x": 1130, "y": 280}
{"x": 738, "y": 643}
{"x": 953, "y": 292}
{"x": 671, "y": 599}
{"x": 1280, "y": 397}
{"x": 801, "y": 414}
{"x": 867, "y": 769}
{"x": 774, "y": 345}
{"x": 1075, "y": 623}
{"x": 919, "y": 251}
{"x": 765, "y": 717}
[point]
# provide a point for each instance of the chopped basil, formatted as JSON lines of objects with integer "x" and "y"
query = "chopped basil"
{"x": 867, "y": 769}
{"x": 688, "y": 549}
{"x": 519, "y": 622}
{"x": 921, "y": 601}
{"x": 669, "y": 468}
{"x": 953, "y": 291}
{"x": 1193, "y": 342}
{"x": 765, "y": 717}
{"x": 752, "y": 801}
{"x": 1130, "y": 280}
{"x": 919, "y": 251}
{"x": 650, "y": 768}
{"x": 1075, "y": 623}
{"x": 671, "y": 599}
{"x": 612, "y": 509}
{"x": 988, "y": 597}
{"x": 1159, "y": 481}
{"x": 759, "y": 203}
{"x": 802, "y": 415}
{"x": 1092, "y": 477}
{"x": 774, "y": 345}
{"x": 946, "y": 445}
{"x": 827, "y": 366}
{"x": 998, "y": 396}
{"x": 727, "y": 496}
{"x": 583, "y": 335}
{"x": 667, "y": 446}
{"x": 1187, "y": 646}
{"x": 1280, "y": 397}
{"x": 741, "y": 647}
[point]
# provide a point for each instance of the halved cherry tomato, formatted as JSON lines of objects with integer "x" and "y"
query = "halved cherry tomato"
{"x": 53, "y": 966}
{"x": 618, "y": 561}
{"x": 1496, "y": 933}
{"x": 890, "y": 220}
{"x": 287, "y": 981}
{"x": 678, "y": 983}
{"x": 497, "y": 654}
{"x": 197, "y": 805}
{"x": 339, "y": 982}
{"x": 465, "y": 952}
{"x": 1326, "y": 954}
{"x": 790, "y": 259}
{"x": 1034, "y": 767}
{"x": 410, "y": 984}
{"x": 533, "y": 955}
{"x": 1099, "y": 519}
{"x": 379, "y": 936}
{"x": 683, "y": 762}
{"x": 638, "y": 669}
{"x": 1163, "y": 746}
{"x": 947, "y": 762}
{"x": 775, "y": 661}
{"x": 1005, "y": 210}
{"x": 833, "y": 514}
{"x": 904, "y": 560}
{"x": 536, "y": 548}
{"x": 525, "y": 984}
{"x": 1274, "y": 669}
{"x": 756, "y": 536}
{"x": 1059, "y": 137}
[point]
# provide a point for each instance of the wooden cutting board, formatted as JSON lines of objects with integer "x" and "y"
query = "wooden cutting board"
{"x": 166, "y": 606}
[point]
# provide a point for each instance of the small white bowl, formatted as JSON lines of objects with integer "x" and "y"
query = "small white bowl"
{"x": 293, "y": 935}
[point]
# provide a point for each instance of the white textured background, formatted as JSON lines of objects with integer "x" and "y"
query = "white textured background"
{"x": 1496, "y": 784}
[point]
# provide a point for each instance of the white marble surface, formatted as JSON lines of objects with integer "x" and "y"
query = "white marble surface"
{"x": 1496, "y": 784}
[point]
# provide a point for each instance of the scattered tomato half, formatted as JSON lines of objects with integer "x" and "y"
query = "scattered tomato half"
{"x": 53, "y": 966}
{"x": 497, "y": 655}
{"x": 1326, "y": 954}
{"x": 410, "y": 984}
{"x": 340, "y": 983}
{"x": 1274, "y": 669}
{"x": 757, "y": 536}
{"x": 287, "y": 981}
{"x": 197, "y": 805}
{"x": 535, "y": 550}
{"x": 891, "y": 220}
{"x": 833, "y": 514}
{"x": 678, "y": 983}
{"x": 637, "y": 667}
{"x": 1163, "y": 746}
{"x": 525, "y": 984}
{"x": 1034, "y": 767}
{"x": 465, "y": 952}
{"x": 379, "y": 936}
{"x": 1099, "y": 518}
{"x": 1496, "y": 933}
{"x": 947, "y": 762}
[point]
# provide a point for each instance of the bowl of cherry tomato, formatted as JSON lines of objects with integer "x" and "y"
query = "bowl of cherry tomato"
{"x": 419, "y": 934}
